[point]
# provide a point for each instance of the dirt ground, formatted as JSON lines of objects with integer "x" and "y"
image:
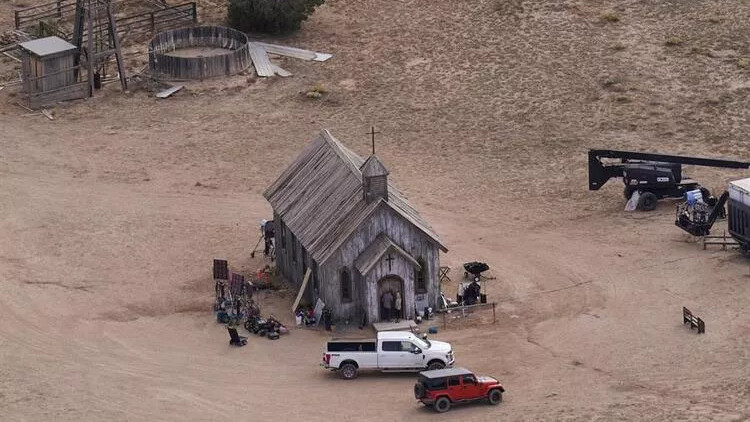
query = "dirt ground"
{"x": 111, "y": 214}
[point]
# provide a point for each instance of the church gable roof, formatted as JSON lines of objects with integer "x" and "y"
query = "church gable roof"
{"x": 375, "y": 251}
{"x": 320, "y": 197}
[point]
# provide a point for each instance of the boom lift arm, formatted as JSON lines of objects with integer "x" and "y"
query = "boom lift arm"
{"x": 600, "y": 172}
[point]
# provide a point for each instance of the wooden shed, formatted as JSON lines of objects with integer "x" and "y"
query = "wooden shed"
{"x": 338, "y": 215}
{"x": 47, "y": 64}
{"x": 48, "y": 71}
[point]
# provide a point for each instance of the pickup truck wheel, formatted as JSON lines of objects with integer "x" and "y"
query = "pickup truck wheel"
{"x": 495, "y": 396}
{"x": 442, "y": 405}
{"x": 434, "y": 365}
{"x": 348, "y": 371}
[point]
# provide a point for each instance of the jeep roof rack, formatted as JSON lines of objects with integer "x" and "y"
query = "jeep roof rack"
{"x": 447, "y": 372}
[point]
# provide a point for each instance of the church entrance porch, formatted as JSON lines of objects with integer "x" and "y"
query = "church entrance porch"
{"x": 391, "y": 298}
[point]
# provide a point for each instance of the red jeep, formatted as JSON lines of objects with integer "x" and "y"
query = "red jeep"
{"x": 443, "y": 387}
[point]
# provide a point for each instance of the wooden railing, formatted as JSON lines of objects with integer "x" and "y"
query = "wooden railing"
{"x": 55, "y": 10}
{"x": 461, "y": 312}
{"x": 723, "y": 240}
{"x": 162, "y": 19}
{"x": 694, "y": 321}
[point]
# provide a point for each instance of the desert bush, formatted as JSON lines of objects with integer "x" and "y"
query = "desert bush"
{"x": 673, "y": 41}
{"x": 612, "y": 81}
{"x": 316, "y": 92}
{"x": 610, "y": 17}
{"x": 270, "y": 16}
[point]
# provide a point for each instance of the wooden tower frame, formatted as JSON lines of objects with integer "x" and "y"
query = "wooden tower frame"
{"x": 92, "y": 17}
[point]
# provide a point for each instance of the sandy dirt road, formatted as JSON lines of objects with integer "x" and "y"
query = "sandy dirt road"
{"x": 111, "y": 214}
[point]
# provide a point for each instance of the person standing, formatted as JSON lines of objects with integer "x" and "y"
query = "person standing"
{"x": 387, "y": 300}
{"x": 473, "y": 292}
{"x": 327, "y": 317}
{"x": 397, "y": 305}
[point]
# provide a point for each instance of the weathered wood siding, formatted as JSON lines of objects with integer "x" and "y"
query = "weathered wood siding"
{"x": 364, "y": 288}
{"x": 42, "y": 74}
{"x": 235, "y": 60}
{"x": 292, "y": 260}
{"x": 72, "y": 92}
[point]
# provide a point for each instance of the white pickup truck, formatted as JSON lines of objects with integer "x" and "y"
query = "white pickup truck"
{"x": 393, "y": 351}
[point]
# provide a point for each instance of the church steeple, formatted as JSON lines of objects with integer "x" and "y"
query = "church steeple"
{"x": 374, "y": 179}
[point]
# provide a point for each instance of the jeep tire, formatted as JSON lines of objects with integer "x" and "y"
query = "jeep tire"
{"x": 348, "y": 371}
{"x": 418, "y": 390}
{"x": 442, "y": 405}
{"x": 434, "y": 365}
{"x": 495, "y": 396}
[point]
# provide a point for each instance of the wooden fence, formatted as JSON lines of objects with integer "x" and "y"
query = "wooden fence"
{"x": 164, "y": 65}
{"x": 46, "y": 16}
{"x": 55, "y": 10}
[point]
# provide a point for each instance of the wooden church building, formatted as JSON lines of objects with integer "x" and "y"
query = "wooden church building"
{"x": 339, "y": 215}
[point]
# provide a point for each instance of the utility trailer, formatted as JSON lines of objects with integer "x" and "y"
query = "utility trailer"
{"x": 696, "y": 215}
{"x": 653, "y": 176}
{"x": 697, "y": 218}
{"x": 738, "y": 216}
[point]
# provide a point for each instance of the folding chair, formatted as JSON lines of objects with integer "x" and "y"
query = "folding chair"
{"x": 235, "y": 339}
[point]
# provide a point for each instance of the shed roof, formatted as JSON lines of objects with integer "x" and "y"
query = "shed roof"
{"x": 320, "y": 197}
{"x": 379, "y": 247}
{"x": 47, "y": 46}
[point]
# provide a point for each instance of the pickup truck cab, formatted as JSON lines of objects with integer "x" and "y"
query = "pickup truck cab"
{"x": 445, "y": 387}
{"x": 390, "y": 351}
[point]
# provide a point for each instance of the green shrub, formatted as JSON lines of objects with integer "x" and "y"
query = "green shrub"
{"x": 270, "y": 16}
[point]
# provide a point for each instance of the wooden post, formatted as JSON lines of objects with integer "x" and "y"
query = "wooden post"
{"x": 195, "y": 12}
{"x": 493, "y": 312}
{"x": 724, "y": 246}
{"x": 116, "y": 44}
{"x": 90, "y": 55}
{"x": 59, "y": 8}
{"x": 153, "y": 23}
{"x": 17, "y": 19}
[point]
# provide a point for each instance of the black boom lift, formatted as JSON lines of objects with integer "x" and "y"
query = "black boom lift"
{"x": 654, "y": 176}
